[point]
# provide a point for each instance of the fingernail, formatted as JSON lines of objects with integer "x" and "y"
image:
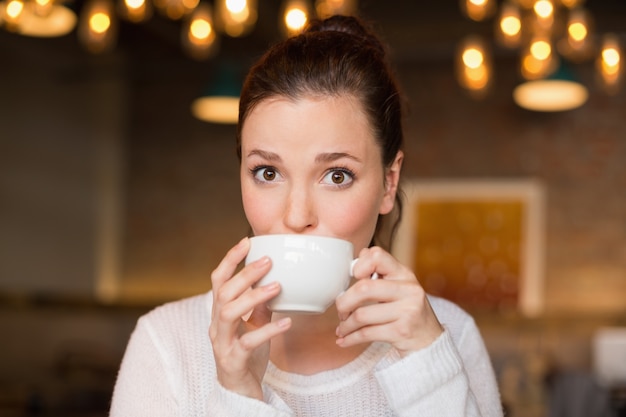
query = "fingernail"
{"x": 271, "y": 287}
{"x": 284, "y": 322}
{"x": 262, "y": 262}
{"x": 246, "y": 316}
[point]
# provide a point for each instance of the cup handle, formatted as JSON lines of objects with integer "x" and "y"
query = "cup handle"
{"x": 374, "y": 275}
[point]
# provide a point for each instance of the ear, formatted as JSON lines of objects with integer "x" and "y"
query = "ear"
{"x": 392, "y": 179}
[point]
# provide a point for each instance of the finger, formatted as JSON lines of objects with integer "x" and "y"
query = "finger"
{"x": 377, "y": 260}
{"x": 239, "y": 284}
{"x": 365, "y": 292}
{"x": 404, "y": 339}
{"x": 229, "y": 314}
{"x": 235, "y": 298}
{"x": 407, "y": 324}
{"x": 375, "y": 314}
{"x": 390, "y": 322}
{"x": 369, "y": 334}
{"x": 243, "y": 280}
{"x": 252, "y": 340}
{"x": 253, "y": 299}
{"x": 229, "y": 263}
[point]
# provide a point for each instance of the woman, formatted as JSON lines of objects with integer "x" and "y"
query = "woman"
{"x": 319, "y": 140}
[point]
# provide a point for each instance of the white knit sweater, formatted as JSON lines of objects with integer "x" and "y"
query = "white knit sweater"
{"x": 168, "y": 370}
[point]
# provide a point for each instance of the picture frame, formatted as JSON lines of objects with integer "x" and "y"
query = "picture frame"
{"x": 478, "y": 242}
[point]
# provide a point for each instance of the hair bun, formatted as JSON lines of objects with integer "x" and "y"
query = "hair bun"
{"x": 350, "y": 25}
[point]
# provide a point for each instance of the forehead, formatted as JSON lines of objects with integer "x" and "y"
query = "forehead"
{"x": 307, "y": 116}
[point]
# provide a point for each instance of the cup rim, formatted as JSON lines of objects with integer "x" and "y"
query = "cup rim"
{"x": 307, "y": 236}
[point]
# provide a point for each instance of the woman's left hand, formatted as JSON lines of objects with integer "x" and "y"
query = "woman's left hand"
{"x": 392, "y": 309}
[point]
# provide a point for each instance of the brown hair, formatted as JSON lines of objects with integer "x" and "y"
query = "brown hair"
{"x": 335, "y": 56}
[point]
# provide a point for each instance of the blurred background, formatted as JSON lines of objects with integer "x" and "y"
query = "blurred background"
{"x": 116, "y": 197}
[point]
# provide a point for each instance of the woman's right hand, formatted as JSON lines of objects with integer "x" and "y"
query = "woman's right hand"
{"x": 241, "y": 347}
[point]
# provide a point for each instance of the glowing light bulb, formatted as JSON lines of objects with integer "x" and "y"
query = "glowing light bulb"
{"x": 200, "y": 29}
{"x": 14, "y": 9}
{"x": 510, "y": 25}
{"x": 473, "y": 58}
{"x": 577, "y": 31}
{"x": 134, "y": 4}
{"x": 295, "y": 16}
{"x": 544, "y": 9}
{"x": 478, "y": 9}
{"x": 611, "y": 57}
{"x": 538, "y": 59}
{"x": 136, "y": 11}
{"x": 609, "y": 64}
{"x": 97, "y": 29}
{"x": 295, "y": 19}
{"x": 236, "y": 6}
{"x": 473, "y": 67}
{"x": 99, "y": 22}
{"x": 540, "y": 50}
{"x": 235, "y": 17}
{"x": 199, "y": 38}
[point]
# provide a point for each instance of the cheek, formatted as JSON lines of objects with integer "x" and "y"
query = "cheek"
{"x": 355, "y": 219}
{"x": 256, "y": 209}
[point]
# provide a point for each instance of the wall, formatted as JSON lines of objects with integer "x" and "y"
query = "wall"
{"x": 183, "y": 189}
{"x": 175, "y": 181}
{"x": 578, "y": 155}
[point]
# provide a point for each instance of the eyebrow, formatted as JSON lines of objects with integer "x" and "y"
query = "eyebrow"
{"x": 333, "y": 156}
{"x": 270, "y": 156}
{"x": 320, "y": 158}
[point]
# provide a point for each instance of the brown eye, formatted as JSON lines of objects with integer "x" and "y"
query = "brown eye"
{"x": 269, "y": 175}
{"x": 338, "y": 177}
{"x": 266, "y": 174}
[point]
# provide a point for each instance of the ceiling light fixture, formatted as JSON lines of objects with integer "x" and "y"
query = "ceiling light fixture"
{"x": 37, "y": 18}
{"x": 556, "y": 92}
{"x": 203, "y": 23}
{"x": 220, "y": 102}
{"x": 550, "y": 35}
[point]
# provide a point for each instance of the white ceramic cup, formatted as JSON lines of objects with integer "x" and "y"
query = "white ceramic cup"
{"x": 312, "y": 270}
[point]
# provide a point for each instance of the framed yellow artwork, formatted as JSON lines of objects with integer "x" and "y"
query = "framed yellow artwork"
{"x": 479, "y": 243}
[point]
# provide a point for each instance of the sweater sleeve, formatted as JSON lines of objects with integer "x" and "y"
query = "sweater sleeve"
{"x": 440, "y": 381}
{"x": 143, "y": 386}
{"x": 429, "y": 382}
{"x": 168, "y": 371}
{"x": 229, "y": 404}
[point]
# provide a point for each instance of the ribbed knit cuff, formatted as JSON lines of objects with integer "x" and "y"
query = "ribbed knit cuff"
{"x": 421, "y": 372}
{"x": 231, "y": 404}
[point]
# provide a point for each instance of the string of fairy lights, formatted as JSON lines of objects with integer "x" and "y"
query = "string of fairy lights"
{"x": 550, "y": 35}
{"x": 202, "y": 22}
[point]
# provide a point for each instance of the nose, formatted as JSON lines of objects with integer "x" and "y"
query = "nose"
{"x": 300, "y": 211}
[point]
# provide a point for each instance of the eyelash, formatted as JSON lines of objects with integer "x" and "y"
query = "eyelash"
{"x": 343, "y": 170}
{"x": 255, "y": 171}
{"x": 352, "y": 176}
